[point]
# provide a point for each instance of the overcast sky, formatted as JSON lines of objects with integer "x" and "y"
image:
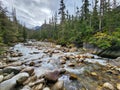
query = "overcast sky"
{"x": 34, "y": 12}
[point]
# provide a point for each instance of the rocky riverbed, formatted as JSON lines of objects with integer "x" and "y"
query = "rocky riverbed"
{"x": 46, "y": 66}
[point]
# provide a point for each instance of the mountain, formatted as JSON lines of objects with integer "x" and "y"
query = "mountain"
{"x": 37, "y": 28}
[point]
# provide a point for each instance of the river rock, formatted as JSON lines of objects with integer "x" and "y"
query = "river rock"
{"x": 73, "y": 76}
{"x": 118, "y": 86}
{"x": 74, "y": 49}
{"x": 32, "y": 63}
{"x": 46, "y": 88}
{"x": 52, "y": 76}
{"x": 11, "y": 69}
{"x": 30, "y": 79}
{"x": 1, "y": 71}
{"x": 62, "y": 71}
{"x": 9, "y": 76}
{"x": 10, "y": 84}
{"x": 108, "y": 86}
{"x": 59, "y": 85}
{"x": 117, "y": 59}
{"x": 94, "y": 74}
{"x": 26, "y": 88}
{"x": 29, "y": 70}
{"x": 58, "y": 46}
{"x": 38, "y": 87}
{"x": 37, "y": 82}
{"x": 71, "y": 65}
{"x": 1, "y": 78}
{"x": 62, "y": 61}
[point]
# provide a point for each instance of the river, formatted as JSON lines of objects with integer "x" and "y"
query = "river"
{"x": 84, "y": 71}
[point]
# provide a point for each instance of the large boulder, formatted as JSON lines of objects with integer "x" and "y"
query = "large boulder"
{"x": 112, "y": 52}
{"x": 52, "y": 76}
{"x": 11, "y": 69}
{"x": 11, "y": 83}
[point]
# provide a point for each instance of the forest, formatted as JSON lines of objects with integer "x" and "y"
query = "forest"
{"x": 99, "y": 25}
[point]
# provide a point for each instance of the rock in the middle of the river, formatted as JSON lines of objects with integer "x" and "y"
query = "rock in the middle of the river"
{"x": 52, "y": 76}
{"x": 11, "y": 83}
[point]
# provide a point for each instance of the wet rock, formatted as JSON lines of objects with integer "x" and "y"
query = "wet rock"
{"x": 26, "y": 88}
{"x": 9, "y": 76}
{"x": 38, "y": 87}
{"x": 1, "y": 71}
{"x": 1, "y": 78}
{"x": 52, "y": 76}
{"x": 94, "y": 74}
{"x": 46, "y": 88}
{"x": 20, "y": 54}
{"x": 56, "y": 51}
{"x": 71, "y": 65}
{"x": 32, "y": 63}
{"x": 117, "y": 59}
{"x": 73, "y": 76}
{"x": 29, "y": 70}
{"x": 62, "y": 71}
{"x": 14, "y": 54}
{"x": 108, "y": 86}
{"x": 62, "y": 61}
{"x": 11, "y": 69}
{"x": 99, "y": 88}
{"x": 59, "y": 85}
{"x": 36, "y": 52}
{"x": 18, "y": 63}
{"x": 37, "y": 82}
{"x": 58, "y": 46}
{"x": 30, "y": 79}
{"x": 118, "y": 86}
{"x": 46, "y": 51}
{"x": 10, "y": 84}
{"x": 74, "y": 49}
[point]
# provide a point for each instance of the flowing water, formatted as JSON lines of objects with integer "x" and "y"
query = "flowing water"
{"x": 35, "y": 52}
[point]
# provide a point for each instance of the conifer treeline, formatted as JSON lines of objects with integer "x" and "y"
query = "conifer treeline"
{"x": 10, "y": 29}
{"x": 99, "y": 26}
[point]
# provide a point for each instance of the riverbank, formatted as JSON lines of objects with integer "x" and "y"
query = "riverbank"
{"x": 53, "y": 67}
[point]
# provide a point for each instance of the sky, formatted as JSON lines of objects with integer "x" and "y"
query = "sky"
{"x": 34, "y": 12}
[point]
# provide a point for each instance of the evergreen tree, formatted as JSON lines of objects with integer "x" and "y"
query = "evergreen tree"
{"x": 95, "y": 17}
{"x": 85, "y": 10}
{"x": 62, "y": 11}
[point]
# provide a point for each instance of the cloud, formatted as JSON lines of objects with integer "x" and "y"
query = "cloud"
{"x": 34, "y": 12}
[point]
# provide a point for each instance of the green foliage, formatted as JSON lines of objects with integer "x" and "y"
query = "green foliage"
{"x": 10, "y": 31}
{"x": 99, "y": 28}
{"x": 101, "y": 40}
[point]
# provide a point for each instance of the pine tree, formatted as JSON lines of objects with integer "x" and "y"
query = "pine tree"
{"x": 95, "y": 17}
{"x": 85, "y": 10}
{"x": 62, "y": 11}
